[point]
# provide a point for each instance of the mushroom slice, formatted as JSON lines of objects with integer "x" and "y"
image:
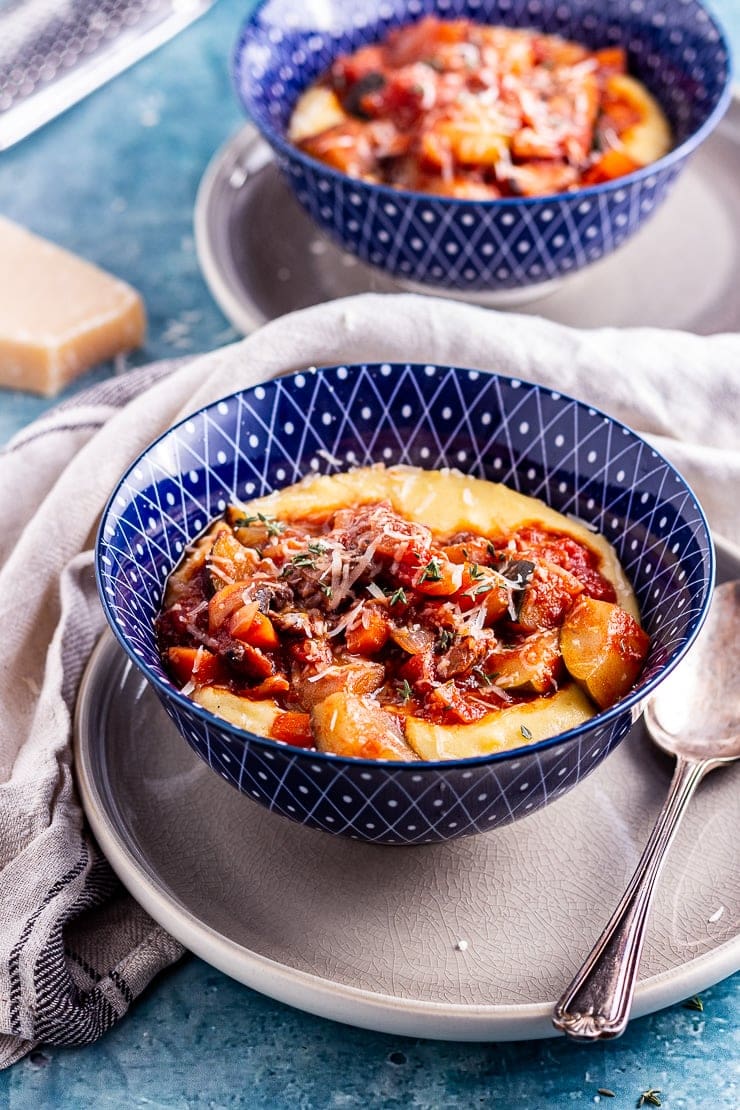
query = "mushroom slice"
{"x": 604, "y": 649}
{"x": 533, "y": 666}
{"x": 356, "y": 725}
{"x": 361, "y": 677}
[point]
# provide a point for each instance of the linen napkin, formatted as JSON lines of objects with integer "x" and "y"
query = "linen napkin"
{"x": 75, "y": 949}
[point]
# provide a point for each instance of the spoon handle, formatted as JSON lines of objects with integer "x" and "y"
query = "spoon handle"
{"x": 596, "y": 1005}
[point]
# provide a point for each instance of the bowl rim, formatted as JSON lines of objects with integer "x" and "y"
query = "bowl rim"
{"x": 633, "y": 702}
{"x": 674, "y": 156}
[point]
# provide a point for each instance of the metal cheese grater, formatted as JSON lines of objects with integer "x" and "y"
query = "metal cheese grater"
{"x": 55, "y": 52}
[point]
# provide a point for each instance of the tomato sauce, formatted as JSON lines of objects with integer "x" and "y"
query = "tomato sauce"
{"x": 461, "y": 109}
{"x": 366, "y": 602}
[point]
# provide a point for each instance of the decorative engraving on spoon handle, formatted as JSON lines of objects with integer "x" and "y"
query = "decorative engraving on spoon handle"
{"x": 597, "y": 1003}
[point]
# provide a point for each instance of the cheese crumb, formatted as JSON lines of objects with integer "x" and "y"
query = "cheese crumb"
{"x": 59, "y": 315}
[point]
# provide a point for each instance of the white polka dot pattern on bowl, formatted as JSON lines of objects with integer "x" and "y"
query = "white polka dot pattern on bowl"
{"x": 540, "y": 442}
{"x": 469, "y": 245}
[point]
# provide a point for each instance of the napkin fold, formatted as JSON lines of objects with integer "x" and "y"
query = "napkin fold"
{"x": 75, "y": 949}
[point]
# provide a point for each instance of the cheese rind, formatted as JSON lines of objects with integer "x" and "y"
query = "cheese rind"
{"x": 59, "y": 314}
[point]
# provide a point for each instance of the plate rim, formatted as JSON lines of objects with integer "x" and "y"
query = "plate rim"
{"x": 247, "y": 318}
{"x": 243, "y": 319}
{"x": 338, "y": 1001}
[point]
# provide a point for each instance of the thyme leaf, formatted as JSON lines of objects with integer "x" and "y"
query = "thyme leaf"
{"x": 694, "y": 1003}
{"x": 303, "y": 559}
{"x": 398, "y": 597}
{"x": 244, "y": 521}
{"x": 274, "y": 527}
{"x": 405, "y": 692}
{"x": 431, "y": 572}
{"x": 525, "y": 732}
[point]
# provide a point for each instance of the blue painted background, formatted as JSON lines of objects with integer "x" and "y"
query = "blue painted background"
{"x": 115, "y": 179}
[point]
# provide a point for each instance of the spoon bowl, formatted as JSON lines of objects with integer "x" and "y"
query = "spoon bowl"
{"x": 695, "y": 712}
{"x": 695, "y": 716}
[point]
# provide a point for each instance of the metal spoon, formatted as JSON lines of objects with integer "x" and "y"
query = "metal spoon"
{"x": 695, "y": 716}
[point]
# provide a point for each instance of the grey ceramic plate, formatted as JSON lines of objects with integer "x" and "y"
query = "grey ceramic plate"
{"x": 372, "y": 936}
{"x": 262, "y": 256}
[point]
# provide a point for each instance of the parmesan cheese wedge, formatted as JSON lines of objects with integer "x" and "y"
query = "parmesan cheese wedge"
{"x": 59, "y": 315}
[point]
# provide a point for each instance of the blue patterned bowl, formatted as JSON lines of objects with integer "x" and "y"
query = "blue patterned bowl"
{"x": 681, "y": 55}
{"x": 539, "y": 442}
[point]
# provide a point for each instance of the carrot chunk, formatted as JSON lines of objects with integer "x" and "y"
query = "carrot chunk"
{"x": 369, "y": 635}
{"x": 293, "y": 728}
{"x": 198, "y": 665}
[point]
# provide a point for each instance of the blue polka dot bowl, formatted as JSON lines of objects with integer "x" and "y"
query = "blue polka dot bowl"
{"x": 541, "y": 443}
{"x": 502, "y": 247}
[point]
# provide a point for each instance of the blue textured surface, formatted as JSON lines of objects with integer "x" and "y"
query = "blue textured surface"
{"x": 484, "y": 245}
{"x": 541, "y": 443}
{"x": 197, "y": 1039}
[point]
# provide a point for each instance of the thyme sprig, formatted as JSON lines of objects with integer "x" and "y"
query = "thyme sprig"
{"x": 304, "y": 559}
{"x": 244, "y": 521}
{"x": 476, "y": 591}
{"x": 650, "y": 1097}
{"x": 405, "y": 691}
{"x": 431, "y": 572}
{"x": 272, "y": 526}
{"x": 307, "y": 558}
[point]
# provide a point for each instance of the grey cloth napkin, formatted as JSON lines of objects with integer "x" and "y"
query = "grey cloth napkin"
{"x": 75, "y": 949}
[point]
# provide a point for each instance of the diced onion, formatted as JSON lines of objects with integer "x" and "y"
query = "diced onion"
{"x": 414, "y": 641}
{"x": 332, "y": 668}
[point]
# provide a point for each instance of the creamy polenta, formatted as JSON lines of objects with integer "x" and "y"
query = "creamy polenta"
{"x": 399, "y": 613}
